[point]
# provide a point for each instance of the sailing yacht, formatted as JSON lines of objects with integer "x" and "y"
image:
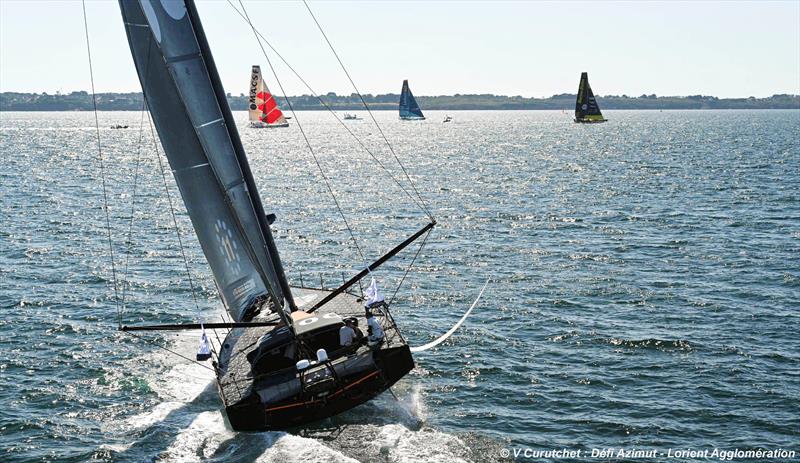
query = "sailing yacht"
{"x": 409, "y": 109}
{"x": 586, "y": 108}
{"x": 281, "y": 363}
{"x": 263, "y": 111}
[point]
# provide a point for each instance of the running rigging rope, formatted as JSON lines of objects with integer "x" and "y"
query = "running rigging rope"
{"x": 102, "y": 165}
{"x": 129, "y": 240}
{"x": 105, "y": 199}
{"x": 305, "y": 137}
{"x": 372, "y": 116}
{"x": 408, "y": 269}
{"x": 172, "y": 209}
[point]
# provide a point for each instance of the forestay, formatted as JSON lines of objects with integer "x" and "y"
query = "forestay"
{"x": 187, "y": 102}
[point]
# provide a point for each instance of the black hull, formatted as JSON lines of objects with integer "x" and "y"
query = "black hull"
{"x": 579, "y": 121}
{"x": 251, "y": 414}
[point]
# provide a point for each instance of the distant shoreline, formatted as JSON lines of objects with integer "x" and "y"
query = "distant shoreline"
{"x": 82, "y": 101}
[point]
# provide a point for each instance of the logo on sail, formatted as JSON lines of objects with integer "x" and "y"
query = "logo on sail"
{"x": 227, "y": 246}
{"x": 244, "y": 289}
{"x": 254, "y": 78}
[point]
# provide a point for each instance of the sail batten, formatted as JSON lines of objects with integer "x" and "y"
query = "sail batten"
{"x": 194, "y": 123}
{"x": 409, "y": 109}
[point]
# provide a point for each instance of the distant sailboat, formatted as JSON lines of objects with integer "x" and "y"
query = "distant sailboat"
{"x": 586, "y": 107}
{"x": 351, "y": 117}
{"x": 447, "y": 119}
{"x": 264, "y": 112}
{"x": 409, "y": 109}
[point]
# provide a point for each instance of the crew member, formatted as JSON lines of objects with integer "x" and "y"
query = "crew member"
{"x": 360, "y": 339}
{"x": 374, "y": 330}
{"x": 346, "y": 334}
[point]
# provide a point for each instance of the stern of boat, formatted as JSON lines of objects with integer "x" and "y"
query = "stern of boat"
{"x": 267, "y": 395}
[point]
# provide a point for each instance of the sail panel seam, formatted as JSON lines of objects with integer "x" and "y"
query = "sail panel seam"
{"x": 179, "y": 58}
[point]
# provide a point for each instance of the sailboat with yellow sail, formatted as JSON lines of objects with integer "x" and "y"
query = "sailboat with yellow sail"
{"x": 586, "y": 108}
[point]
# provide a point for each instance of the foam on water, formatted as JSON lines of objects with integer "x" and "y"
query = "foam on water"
{"x": 201, "y": 439}
{"x": 290, "y": 448}
{"x": 402, "y": 445}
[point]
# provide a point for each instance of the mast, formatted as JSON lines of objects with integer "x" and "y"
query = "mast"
{"x": 197, "y": 131}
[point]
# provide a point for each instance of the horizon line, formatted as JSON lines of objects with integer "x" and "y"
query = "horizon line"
{"x": 241, "y": 94}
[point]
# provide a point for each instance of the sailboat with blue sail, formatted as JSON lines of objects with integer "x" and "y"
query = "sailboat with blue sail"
{"x": 409, "y": 109}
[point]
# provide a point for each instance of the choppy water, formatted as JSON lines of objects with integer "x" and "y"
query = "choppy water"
{"x": 645, "y": 286}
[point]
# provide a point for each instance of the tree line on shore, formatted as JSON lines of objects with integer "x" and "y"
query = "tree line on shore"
{"x": 82, "y": 101}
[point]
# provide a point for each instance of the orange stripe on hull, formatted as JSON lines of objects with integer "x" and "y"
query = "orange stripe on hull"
{"x": 300, "y": 404}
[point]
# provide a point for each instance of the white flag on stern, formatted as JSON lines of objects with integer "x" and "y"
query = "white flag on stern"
{"x": 373, "y": 295}
{"x": 204, "y": 352}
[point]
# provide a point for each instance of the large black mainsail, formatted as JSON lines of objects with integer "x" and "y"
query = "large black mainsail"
{"x": 409, "y": 109}
{"x": 194, "y": 122}
{"x": 586, "y": 108}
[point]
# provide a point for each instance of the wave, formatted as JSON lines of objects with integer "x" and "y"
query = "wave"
{"x": 651, "y": 343}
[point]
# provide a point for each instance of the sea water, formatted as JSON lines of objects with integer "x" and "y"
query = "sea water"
{"x": 644, "y": 285}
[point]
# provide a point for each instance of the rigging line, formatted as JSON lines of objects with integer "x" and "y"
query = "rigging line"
{"x": 330, "y": 110}
{"x": 308, "y": 143}
{"x": 422, "y": 245}
{"x": 153, "y": 343}
{"x": 102, "y": 164}
{"x": 372, "y": 116}
{"x": 172, "y": 209}
{"x": 135, "y": 184}
{"x": 126, "y": 283}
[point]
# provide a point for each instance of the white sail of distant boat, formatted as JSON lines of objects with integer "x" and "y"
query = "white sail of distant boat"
{"x": 263, "y": 109}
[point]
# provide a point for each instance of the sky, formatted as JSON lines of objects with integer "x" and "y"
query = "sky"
{"x": 528, "y": 48}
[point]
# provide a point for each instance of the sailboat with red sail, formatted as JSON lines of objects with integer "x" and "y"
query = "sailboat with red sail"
{"x": 264, "y": 111}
